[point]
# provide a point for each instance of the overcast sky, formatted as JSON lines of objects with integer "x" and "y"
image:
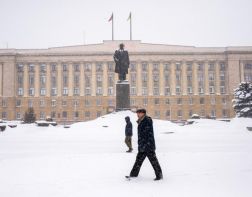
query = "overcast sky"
{"x": 52, "y": 23}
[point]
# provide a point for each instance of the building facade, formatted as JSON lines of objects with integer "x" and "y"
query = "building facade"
{"x": 77, "y": 83}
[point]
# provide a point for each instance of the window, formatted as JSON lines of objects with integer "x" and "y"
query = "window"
{"x": 30, "y": 103}
{"x": 213, "y": 114}
{"x": 87, "y": 102}
{"x": 4, "y": 103}
{"x": 213, "y": 101}
{"x": 98, "y": 67}
{"x": 145, "y": 101}
{"x": 178, "y": 66}
{"x": 224, "y": 113}
{"x": 76, "y": 114}
{"x": 156, "y": 101}
{"x": 20, "y": 67}
{"x": 201, "y": 90}
{"x": 42, "y": 67}
{"x": 222, "y": 90}
{"x": 75, "y": 103}
{"x": 20, "y": 79}
{"x": 76, "y": 67}
{"x": 222, "y": 67}
{"x": 98, "y": 102}
{"x": 211, "y": 76}
{"x": 178, "y": 90}
{"x": 42, "y": 91}
{"x": 179, "y": 101}
{"x": 31, "y": 67}
{"x": 190, "y": 101}
{"x": 189, "y": 90}
{"x": 87, "y": 114}
{"x": 144, "y": 91}
{"x": 65, "y": 91}
{"x": 54, "y": 91}
{"x": 110, "y": 103}
{"x": 87, "y": 91}
{"x": 179, "y": 113}
{"x": 18, "y": 103}
{"x": 211, "y": 89}
{"x": 31, "y": 91}
{"x": 200, "y": 67}
{"x": 224, "y": 101}
{"x": 53, "y": 103}
{"x": 42, "y": 79}
{"x": 155, "y": 67}
{"x": 132, "y": 67}
{"x": 110, "y": 91}
{"x": 98, "y": 114}
{"x": 64, "y": 114}
{"x": 65, "y": 80}
{"x": 189, "y": 67}
{"x": 167, "y": 113}
{"x": 144, "y": 66}
{"x": 31, "y": 80}
{"x": 53, "y": 68}
{"x": 42, "y": 103}
{"x": 64, "y": 67}
{"x": 167, "y": 101}
{"x": 4, "y": 115}
{"x": 211, "y": 67}
{"x": 132, "y": 102}
{"x": 133, "y": 90}
{"x": 166, "y": 67}
{"x": 110, "y": 67}
{"x": 20, "y": 91}
{"x": 202, "y": 101}
{"x": 18, "y": 115}
{"x": 54, "y": 81}
{"x": 156, "y": 91}
{"x": 99, "y": 91}
{"x": 76, "y": 91}
{"x": 87, "y": 67}
{"x": 42, "y": 115}
{"x": 167, "y": 91}
{"x": 76, "y": 80}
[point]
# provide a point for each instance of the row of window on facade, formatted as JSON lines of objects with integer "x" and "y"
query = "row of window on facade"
{"x": 99, "y": 67}
{"x": 133, "y": 102}
{"x": 157, "y": 114}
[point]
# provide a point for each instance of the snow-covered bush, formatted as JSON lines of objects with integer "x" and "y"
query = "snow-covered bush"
{"x": 243, "y": 100}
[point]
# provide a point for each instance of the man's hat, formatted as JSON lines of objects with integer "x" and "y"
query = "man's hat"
{"x": 142, "y": 110}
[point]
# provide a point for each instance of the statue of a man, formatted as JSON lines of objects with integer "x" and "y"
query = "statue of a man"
{"x": 121, "y": 58}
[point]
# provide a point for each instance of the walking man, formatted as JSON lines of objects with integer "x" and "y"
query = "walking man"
{"x": 128, "y": 134}
{"x": 146, "y": 146}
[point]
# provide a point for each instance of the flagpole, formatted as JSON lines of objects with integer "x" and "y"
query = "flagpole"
{"x": 112, "y": 26}
{"x": 130, "y": 27}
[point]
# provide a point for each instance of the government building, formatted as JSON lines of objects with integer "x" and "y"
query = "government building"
{"x": 77, "y": 83}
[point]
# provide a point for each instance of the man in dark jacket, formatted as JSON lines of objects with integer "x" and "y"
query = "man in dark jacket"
{"x": 128, "y": 134}
{"x": 146, "y": 145}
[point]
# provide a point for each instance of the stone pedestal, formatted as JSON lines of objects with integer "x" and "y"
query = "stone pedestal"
{"x": 122, "y": 95}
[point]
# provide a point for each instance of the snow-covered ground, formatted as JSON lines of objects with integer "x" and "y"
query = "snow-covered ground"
{"x": 208, "y": 158}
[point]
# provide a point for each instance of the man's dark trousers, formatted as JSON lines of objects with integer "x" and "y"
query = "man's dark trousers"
{"x": 139, "y": 161}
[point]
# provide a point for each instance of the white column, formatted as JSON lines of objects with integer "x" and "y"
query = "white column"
{"x": 139, "y": 79}
{"x": 150, "y": 79}
{"x": 161, "y": 79}
{"x": 59, "y": 79}
{"x": 105, "y": 79}
{"x": 82, "y": 80}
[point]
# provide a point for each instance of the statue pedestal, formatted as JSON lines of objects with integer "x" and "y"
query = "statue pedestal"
{"x": 122, "y": 95}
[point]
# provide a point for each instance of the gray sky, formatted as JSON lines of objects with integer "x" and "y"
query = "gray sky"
{"x": 51, "y": 23}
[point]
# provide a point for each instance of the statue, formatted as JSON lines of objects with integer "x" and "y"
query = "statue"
{"x": 121, "y": 58}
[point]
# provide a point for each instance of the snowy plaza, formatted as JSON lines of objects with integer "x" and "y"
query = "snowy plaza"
{"x": 206, "y": 158}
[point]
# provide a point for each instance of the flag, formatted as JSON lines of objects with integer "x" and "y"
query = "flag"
{"x": 129, "y": 18}
{"x": 111, "y": 18}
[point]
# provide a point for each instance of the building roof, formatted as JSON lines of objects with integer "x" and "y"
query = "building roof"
{"x": 133, "y": 46}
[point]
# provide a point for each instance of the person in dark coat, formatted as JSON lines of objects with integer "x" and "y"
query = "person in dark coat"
{"x": 128, "y": 134}
{"x": 146, "y": 145}
{"x": 121, "y": 58}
